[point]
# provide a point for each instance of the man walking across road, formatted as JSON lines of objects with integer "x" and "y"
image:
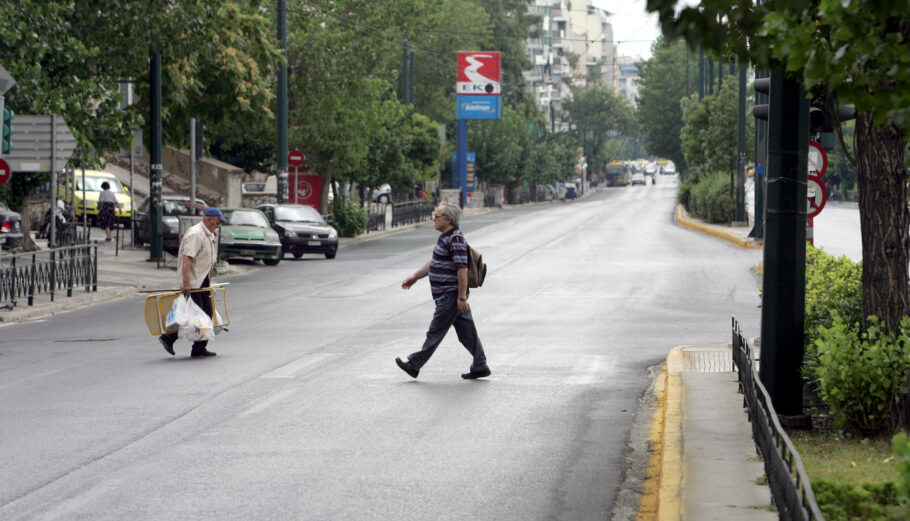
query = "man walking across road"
{"x": 448, "y": 272}
{"x": 195, "y": 260}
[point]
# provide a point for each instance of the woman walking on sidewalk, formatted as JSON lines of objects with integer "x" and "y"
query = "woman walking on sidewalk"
{"x": 108, "y": 201}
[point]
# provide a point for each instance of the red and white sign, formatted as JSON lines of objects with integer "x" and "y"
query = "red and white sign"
{"x": 818, "y": 159}
{"x": 816, "y": 196}
{"x": 5, "y": 172}
{"x": 305, "y": 188}
{"x": 296, "y": 157}
{"x": 479, "y": 73}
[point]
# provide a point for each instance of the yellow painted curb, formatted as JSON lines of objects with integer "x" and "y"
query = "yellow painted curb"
{"x": 711, "y": 230}
{"x": 662, "y": 496}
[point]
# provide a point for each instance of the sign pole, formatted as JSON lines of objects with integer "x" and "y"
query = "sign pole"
{"x": 462, "y": 158}
{"x": 52, "y": 234}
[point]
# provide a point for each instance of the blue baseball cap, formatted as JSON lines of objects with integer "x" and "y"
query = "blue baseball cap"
{"x": 214, "y": 212}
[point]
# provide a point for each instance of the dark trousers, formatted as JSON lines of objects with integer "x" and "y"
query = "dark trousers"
{"x": 446, "y": 316}
{"x": 204, "y": 301}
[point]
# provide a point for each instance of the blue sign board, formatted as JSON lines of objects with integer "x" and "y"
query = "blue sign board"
{"x": 478, "y": 107}
{"x": 468, "y": 183}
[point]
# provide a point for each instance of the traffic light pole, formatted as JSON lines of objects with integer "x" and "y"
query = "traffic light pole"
{"x": 282, "y": 158}
{"x": 784, "y": 277}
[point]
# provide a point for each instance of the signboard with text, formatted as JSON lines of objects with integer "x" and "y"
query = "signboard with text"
{"x": 479, "y": 74}
{"x": 469, "y": 181}
{"x": 478, "y": 107}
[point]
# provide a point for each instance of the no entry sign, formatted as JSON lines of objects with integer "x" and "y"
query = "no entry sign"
{"x": 4, "y": 171}
{"x": 295, "y": 158}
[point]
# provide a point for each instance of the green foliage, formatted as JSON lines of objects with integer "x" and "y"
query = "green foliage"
{"x": 710, "y": 198}
{"x": 597, "y": 113}
{"x": 349, "y": 216}
{"x": 709, "y": 137}
{"x": 844, "y": 502}
{"x": 685, "y": 197}
{"x": 900, "y": 448}
{"x": 862, "y": 376}
{"x": 833, "y": 289}
{"x": 662, "y": 86}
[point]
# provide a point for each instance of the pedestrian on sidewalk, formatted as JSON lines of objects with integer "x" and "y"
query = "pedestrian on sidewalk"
{"x": 195, "y": 260}
{"x": 106, "y": 216}
{"x": 448, "y": 272}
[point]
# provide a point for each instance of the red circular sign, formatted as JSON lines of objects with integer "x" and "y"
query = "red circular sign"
{"x": 296, "y": 157}
{"x": 818, "y": 159}
{"x": 4, "y": 171}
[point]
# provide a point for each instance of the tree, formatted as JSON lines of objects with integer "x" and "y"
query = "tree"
{"x": 858, "y": 50}
{"x": 707, "y": 140}
{"x": 598, "y": 113}
{"x": 662, "y": 87}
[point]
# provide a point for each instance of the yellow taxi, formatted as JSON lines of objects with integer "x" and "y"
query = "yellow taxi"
{"x": 93, "y": 181}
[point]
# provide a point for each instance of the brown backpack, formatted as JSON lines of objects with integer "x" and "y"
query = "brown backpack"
{"x": 477, "y": 269}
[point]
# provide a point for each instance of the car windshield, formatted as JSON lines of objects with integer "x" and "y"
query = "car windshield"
{"x": 297, "y": 214}
{"x": 181, "y": 207}
{"x": 93, "y": 184}
{"x": 246, "y": 218}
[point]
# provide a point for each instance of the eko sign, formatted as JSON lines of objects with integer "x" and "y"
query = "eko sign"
{"x": 478, "y": 74}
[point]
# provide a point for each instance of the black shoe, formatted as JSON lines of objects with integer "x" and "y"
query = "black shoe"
{"x": 203, "y": 353}
{"x": 477, "y": 373}
{"x": 407, "y": 367}
{"x": 167, "y": 344}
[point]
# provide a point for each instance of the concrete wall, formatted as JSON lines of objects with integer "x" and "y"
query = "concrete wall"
{"x": 215, "y": 176}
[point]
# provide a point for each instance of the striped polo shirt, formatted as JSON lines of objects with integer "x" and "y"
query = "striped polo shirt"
{"x": 445, "y": 263}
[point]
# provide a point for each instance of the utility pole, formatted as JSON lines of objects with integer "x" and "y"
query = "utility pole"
{"x": 741, "y": 151}
{"x": 282, "y": 184}
{"x": 784, "y": 278}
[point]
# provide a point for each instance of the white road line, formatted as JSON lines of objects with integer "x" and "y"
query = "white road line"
{"x": 292, "y": 369}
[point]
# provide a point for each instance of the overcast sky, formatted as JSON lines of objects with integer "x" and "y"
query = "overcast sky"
{"x": 634, "y": 30}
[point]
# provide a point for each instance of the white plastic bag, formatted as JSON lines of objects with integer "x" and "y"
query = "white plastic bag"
{"x": 177, "y": 316}
{"x": 218, "y": 329}
{"x": 198, "y": 325}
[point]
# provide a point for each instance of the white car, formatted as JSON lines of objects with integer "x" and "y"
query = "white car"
{"x": 638, "y": 179}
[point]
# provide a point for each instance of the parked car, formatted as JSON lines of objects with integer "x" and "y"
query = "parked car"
{"x": 173, "y": 207}
{"x": 248, "y": 234}
{"x": 302, "y": 230}
{"x": 93, "y": 181}
{"x": 383, "y": 194}
{"x": 10, "y": 228}
{"x": 638, "y": 179}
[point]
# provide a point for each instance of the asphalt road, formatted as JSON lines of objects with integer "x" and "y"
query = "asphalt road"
{"x": 304, "y": 415}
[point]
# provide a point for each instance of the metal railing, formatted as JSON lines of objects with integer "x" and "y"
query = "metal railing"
{"x": 376, "y": 217}
{"x": 47, "y": 272}
{"x": 791, "y": 490}
{"x": 411, "y": 212}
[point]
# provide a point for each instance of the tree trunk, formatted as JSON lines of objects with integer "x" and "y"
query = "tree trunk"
{"x": 883, "y": 221}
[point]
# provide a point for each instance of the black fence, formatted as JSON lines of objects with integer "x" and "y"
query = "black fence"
{"x": 791, "y": 490}
{"x": 376, "y": 217}
{"x": 411, "y": 212}
{"x": 48, "y": 272}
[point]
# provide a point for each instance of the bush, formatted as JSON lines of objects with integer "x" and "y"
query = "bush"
{"x": 862, "y": 376}
{"x": 350, "y": 218}
{"x": 711, "y": 199}
{"x": 845, "y": 502}
{"x": 685, "y": 194}
{"x": 833, "y": 287}
{"x": 900, "y": 448}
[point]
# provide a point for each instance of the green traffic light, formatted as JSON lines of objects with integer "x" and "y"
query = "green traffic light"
{"x": 6, "y": 143}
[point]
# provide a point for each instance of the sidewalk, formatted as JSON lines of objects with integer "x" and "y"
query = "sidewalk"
{"x": 703, "y": 461}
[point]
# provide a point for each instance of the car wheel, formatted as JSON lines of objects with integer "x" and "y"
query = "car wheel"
{"x": 298, "y": 254}
{"x": 271, "y": 262}
{"x": 331, "y": 255}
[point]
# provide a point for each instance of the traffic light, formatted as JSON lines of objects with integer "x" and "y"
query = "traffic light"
{"x": 825, "y": 115}
{"x": 762, "y": 92}
{"x": 200, "y": 139}
{"x": 7, "y": 139}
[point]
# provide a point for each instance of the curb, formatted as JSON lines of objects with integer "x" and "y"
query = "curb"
{"x": 662, "y": 498}
{"x": 103, "y": 294}
{"x": 682, "y": 220}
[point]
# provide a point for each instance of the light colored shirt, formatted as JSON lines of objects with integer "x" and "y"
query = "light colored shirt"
{"x": 202, "y": 245}
{"x": 106, "y": 196}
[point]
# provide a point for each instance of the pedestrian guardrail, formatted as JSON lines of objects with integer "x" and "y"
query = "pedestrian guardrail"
{"x": 791, "y": 490}
{"x": 410, "y": 212}
{"x": 376, "y": 217}
{"x": 48, "y": 272}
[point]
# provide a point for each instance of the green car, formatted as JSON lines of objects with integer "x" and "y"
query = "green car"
{"x": 248, "y": 234}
